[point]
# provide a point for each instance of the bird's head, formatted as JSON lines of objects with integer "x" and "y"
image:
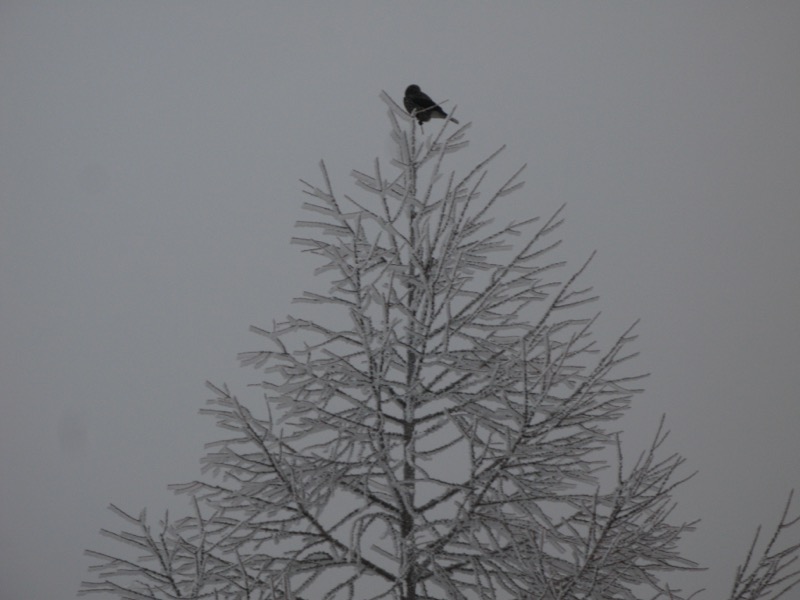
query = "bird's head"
{"x": 412, "y": 89}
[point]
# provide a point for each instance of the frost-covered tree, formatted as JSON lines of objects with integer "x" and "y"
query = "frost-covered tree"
{"x": 447, "y": 428}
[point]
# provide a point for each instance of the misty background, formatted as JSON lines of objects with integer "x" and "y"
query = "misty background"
{"x": 150, "y": 154}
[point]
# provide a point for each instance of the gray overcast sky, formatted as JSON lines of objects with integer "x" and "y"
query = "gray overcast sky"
{"x": 149, "y": 163}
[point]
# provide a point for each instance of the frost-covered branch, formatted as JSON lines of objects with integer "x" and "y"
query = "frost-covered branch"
{"x": 776, "y": 571}
{"x": 440, "y": 431}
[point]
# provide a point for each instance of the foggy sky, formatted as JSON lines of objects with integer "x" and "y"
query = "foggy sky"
{"x": 150, "y": 154}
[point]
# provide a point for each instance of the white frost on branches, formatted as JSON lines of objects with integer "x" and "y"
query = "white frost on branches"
{"x": 439, "y": 435}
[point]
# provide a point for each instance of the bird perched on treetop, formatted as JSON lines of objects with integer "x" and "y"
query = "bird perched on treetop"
{"x": 419, "y": 105}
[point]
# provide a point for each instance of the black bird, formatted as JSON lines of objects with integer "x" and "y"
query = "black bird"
{"x": 419, "y": 105}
